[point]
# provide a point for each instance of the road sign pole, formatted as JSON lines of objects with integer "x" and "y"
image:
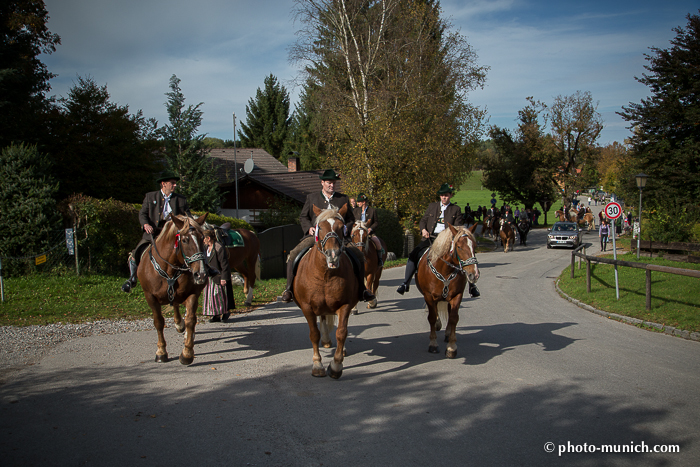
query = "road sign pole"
{"x": 617, "y": 282}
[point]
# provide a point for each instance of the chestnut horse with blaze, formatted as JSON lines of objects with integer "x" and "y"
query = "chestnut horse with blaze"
{"x": 373, "y": 271}
{"x": 326, "y": 289}
{"x": 174, "y": 275}
{"x": 443, "y": 273}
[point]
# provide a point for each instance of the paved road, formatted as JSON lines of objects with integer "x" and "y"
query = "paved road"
{"x": 532, "y": 369}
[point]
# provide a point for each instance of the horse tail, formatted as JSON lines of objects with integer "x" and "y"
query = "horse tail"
{"x": 443, "y": 314}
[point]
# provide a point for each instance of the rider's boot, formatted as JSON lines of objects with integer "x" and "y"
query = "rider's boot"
{"x": 410, "y": 270}
{"x": 287, "y": 296}
{"x": 473, "y": 290}
{"x": 131, "y": 281}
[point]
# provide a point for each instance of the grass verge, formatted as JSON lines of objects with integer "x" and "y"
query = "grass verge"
{"x": 66, "y": 298}
{"x": 675, "y": 300}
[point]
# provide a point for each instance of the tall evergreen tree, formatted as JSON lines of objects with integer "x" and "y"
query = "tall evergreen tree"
{"x": 24, "y": 79}
{"x": 303, "y": 141}
{"x": 98, "y": 148}
{"x": 666, "y": 138}
{"x": 267, "y": 119}
{"x": 27, "y": 205}
{"x": 185, "y": 152}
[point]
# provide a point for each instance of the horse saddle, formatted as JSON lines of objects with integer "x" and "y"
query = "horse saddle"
{"x": 227, "y": 237}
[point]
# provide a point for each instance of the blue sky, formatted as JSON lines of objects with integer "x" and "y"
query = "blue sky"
{"x": 222, "y": 50}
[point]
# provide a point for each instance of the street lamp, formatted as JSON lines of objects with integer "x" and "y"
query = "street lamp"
{"x": 641, "y": 183}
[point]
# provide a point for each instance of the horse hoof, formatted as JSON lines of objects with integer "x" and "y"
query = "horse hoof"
{"x": 180, "y": 327}
{"x": 450, "y": 353}
{"x": 248, "y": 303}
{"x": 356, "y": 311}
{"x": 326, "y": 345}
{"x": 318, "y": 372}
{"x": 372, "y": 304}
{"x": 186, "y": 360}
{"x": 162, "y": 358}
{"x": 433, "y": 349}
{"x": 333, "y": 374}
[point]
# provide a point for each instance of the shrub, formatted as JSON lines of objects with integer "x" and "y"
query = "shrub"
{"x": 390, "y": 230}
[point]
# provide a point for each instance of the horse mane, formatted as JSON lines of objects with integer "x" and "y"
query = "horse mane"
{"x": 327, "y": 213}
{"x": 443, "y": 242}
{"x": 359, "y": 225}
{"x": 170, "y": 229}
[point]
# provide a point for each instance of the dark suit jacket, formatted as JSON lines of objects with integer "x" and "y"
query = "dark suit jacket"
{"x": 307, "y": 217}
{"x": 219, "y": 261}
{"x": 370, "y": 214}
{"x": 152, "y": 208}
{"x": 453, "y": 215}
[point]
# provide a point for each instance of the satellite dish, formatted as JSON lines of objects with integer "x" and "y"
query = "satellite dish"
{"x": 248, "y": 166}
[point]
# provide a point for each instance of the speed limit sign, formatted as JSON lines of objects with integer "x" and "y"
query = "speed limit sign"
{"x": 613, "y": 210}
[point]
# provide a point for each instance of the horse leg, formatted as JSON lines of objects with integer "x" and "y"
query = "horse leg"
{"x": 453, "y": 313}
{"x": 159, "y": 324}
{"x": 187, "y": 355}
{"x": 432, "y": 319}
{"x": 335, "y": 369}
{"x": 315, "y": 336}
{"x": 369, "y": 280}
{"x": 179, "y": 325}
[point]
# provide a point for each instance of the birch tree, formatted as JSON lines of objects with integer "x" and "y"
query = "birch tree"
{"x": 391, "y": 82}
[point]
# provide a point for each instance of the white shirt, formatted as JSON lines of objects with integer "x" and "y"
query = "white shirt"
{"x": 440, "y": 226}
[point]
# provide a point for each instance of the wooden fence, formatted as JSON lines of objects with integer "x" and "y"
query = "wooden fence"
{"x": 629, "y": 264}
{"x": 671, "y": 250}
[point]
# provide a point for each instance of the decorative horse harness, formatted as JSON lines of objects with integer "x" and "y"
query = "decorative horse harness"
{"x": 198, "y": 256}
{"x": 456, "y": 270}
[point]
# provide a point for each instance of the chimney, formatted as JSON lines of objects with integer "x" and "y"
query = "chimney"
{"x": 293, "y": 164}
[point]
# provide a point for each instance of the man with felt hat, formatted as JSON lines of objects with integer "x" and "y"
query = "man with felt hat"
{"x": 324, "y": 199}
{"x": 435, "y": 220}
{"x": 156, "y": 207}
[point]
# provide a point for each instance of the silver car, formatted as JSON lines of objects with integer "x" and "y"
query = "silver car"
{"x": 564, "y": 234}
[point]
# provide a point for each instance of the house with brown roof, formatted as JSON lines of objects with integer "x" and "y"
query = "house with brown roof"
{"x": 257, "y": 178}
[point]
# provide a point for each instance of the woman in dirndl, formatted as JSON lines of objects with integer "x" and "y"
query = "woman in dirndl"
{"x": 215, "y": 303}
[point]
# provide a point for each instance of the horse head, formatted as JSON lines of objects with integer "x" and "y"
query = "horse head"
{"x": 330, "y": 225}
{"x": 360, "y": 234}
{"x": 464, "y": 250}
{"x": 188, "y": 243}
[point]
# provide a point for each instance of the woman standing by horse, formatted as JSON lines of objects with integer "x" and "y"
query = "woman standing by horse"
{"x": 216, "y": 302}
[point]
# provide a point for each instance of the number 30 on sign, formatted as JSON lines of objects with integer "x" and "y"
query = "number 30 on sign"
{"x": 613, "y": 210}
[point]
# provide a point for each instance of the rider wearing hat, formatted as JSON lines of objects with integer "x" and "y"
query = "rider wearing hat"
{"x": 435, "y": 220}
{"x": 365, "y": 213}
{"x": 156, "y": 207}
{"x": 324, "y": 199}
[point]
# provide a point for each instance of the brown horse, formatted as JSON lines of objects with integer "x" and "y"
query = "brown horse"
{"x": 442, "y": 275}
{"x": 589, "y": 220}
{"x": 325, "y": 288}
{"x": 174, "y": 275}
{"x": 245, "y": 260}
{"x": 507, "y": 236}
{"x": 490, "y": 226}
{"x": 373, "y": 271}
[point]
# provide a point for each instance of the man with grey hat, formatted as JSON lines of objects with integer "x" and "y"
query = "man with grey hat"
{"x": 435, "y": 220}
{"x": 156, "y": 207}
{"x": 324, "y": 199}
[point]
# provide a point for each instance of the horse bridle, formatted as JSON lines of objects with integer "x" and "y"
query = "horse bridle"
{"x": 327, "y": 237}
{"x": 456, "y": 270}
{"x": 361, "y": 245}
{"x": 197, "y": 256}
